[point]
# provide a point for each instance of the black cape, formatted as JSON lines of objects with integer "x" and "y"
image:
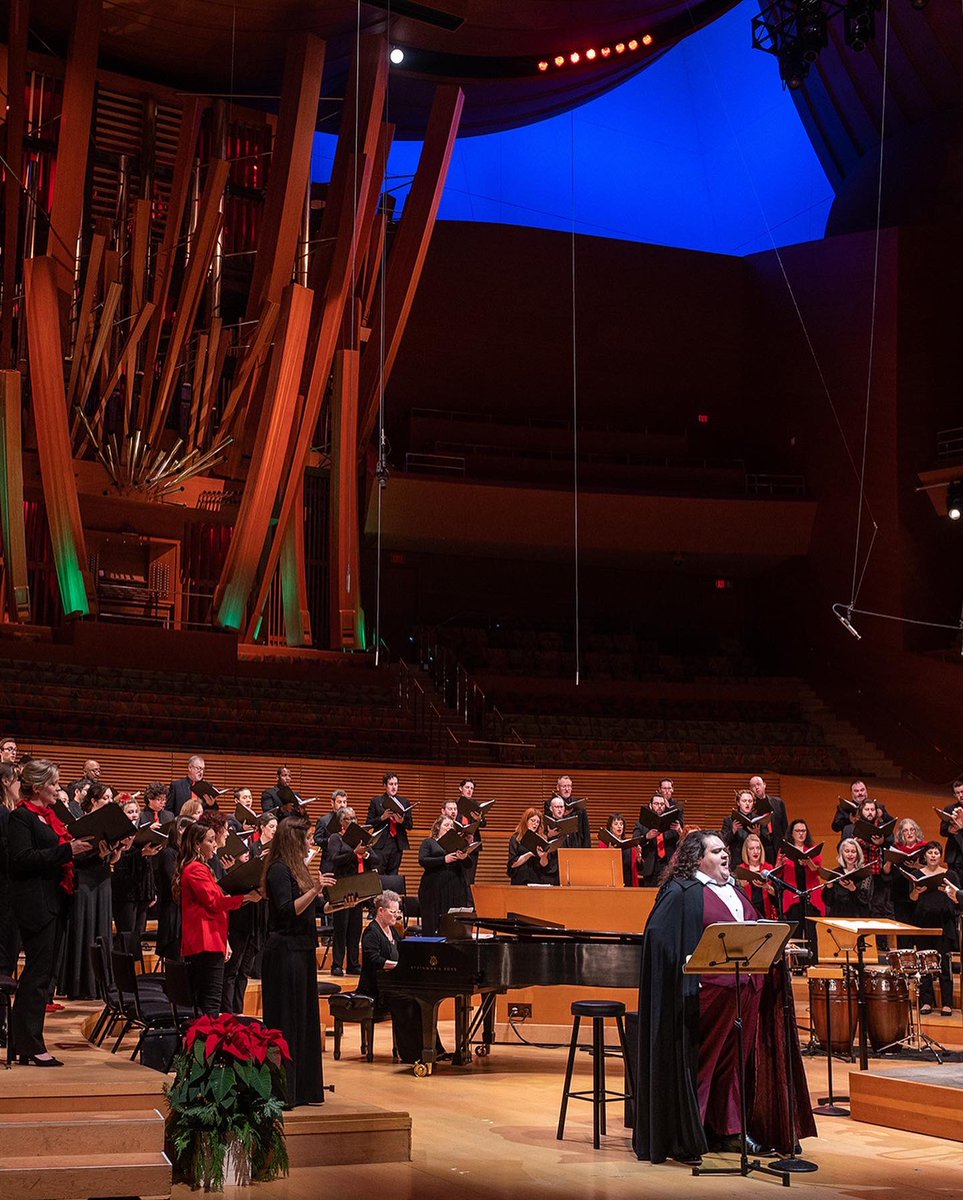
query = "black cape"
{"x": 667, "y": 1123}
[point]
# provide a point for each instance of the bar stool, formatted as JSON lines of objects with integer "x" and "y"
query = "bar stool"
{"x": 597, "y": 1010}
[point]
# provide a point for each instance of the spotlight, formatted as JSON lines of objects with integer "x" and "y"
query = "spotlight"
{"x": 811, "y": 29}
{"x": 606, "y": 51}
{"x": 859, "y": 23}
{"x": 590, "y": 54}
{"x": 397, "y": 55}
{"x": 647, "y": 40}
{"x": 559, "y": 60}
{"x": 633, "y": 45}
{"x": 574, "y": 57}
{"x": 919, "y": 5}
{"x": 954, "y": 500}
{"x": 620, "y": 47}
{"x": 543, "y": 65}
{"x": 793, "y": 67}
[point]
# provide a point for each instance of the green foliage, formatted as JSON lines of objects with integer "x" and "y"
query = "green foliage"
{"x": 226, "y": 1112}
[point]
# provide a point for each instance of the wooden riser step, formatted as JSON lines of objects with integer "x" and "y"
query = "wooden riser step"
{"x": 139, "y": 1131}
{"x": 64, "y": 1178}
{"x": 337, "y": 1133}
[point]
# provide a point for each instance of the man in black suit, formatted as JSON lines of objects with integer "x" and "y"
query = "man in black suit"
{"x": 563, "y": 788}
{"x": 155, "y": 810}
{"x": 181, "y": 790}
{"x": 8, "y": 750}
{"x": 394, "y": 841}
{"x": 271, "y": 797}
{"x": 91, "y": 775}
{"x": 327, "y": 825}
{"x": 780, "y": 822}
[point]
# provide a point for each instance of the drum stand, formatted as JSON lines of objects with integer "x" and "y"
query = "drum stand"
{"x": 916, "y": 1039}
{"x": 828, "y": 1107}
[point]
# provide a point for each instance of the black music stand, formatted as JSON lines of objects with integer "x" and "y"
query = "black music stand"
{"x": 740, "y": 948}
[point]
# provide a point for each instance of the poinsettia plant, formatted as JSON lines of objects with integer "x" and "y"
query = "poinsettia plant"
{"x": 226, "y": 1101}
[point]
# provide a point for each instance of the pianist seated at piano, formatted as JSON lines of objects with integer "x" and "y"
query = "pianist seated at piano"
{"x": 444, "y": 884}
{"x": 379, "y": 954}
{"x": 524, "y": 866}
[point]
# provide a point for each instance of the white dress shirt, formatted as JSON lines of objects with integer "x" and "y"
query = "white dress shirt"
{"x": 726, "y": 893}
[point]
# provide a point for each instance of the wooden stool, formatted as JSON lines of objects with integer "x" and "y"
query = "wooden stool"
{"x": 597, "y": 1011}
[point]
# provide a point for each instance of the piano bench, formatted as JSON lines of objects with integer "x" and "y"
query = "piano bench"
{"x": 597, "y": 1011}
{"x": 353, "y": 1008}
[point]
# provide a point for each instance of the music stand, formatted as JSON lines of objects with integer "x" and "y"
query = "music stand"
{"x": 740, "y": 948}
{"x": 858, "y": 930}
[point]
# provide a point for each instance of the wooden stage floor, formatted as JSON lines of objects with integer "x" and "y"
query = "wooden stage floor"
{"x": 488, "y": 1131}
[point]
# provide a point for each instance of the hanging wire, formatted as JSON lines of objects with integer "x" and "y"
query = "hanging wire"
{"x": 381, "y": 472}
{"x": 858, "y": 583}
{"x": 575, "y": 495}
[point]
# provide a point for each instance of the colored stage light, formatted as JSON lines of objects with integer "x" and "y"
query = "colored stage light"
{"x": 559, "y": 60}
{"x": 606, "y": 51}
{"x": 620, "y": 47}
{"x": 647, "y": 39}
{"x": 543, "y": 65}
{"x": 633, "y": 44}
{"x": 575, "y": 57}
{"x": 397, "y": 55}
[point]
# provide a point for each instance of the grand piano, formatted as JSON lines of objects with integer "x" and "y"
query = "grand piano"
{"x": 495, "y": 955}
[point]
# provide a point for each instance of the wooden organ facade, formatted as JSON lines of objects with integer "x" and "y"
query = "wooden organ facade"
{"x": 191, "y": 340}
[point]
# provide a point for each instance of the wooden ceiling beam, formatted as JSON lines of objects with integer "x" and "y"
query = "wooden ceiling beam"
{"x": 290, "y": 171}
{"x": 73, "y": 141}
{"x": 408, "y": 254}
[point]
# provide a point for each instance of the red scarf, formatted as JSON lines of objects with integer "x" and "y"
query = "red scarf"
{"x": 49, "y": 817}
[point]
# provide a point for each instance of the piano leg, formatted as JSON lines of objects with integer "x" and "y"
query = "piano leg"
{"x": 429, "y": 1035}
{"x": 462, "y": 1053}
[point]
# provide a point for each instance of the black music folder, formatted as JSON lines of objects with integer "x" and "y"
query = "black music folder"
{"x": 242, "y": 878}
{"x": 867, "y": 830}
{"x": 608, "y": 838}
{"x": 148, "y": 836}
{"x": 352, "y": 889}
{"x": 455, "y": 840}
{"x": 661, "y": 822}
{"x": 829, "y": 875}
{"x": 356, "y": 835}
{"x": 244, "y": 815}
{"x": 107, "y": 824}
{"x": 203, "y": 788}
{"x": 797, "y": 855}
{"x": 926, "y": 883}
{"x": 751, "y": 821}
{"x": 466, "y": 807}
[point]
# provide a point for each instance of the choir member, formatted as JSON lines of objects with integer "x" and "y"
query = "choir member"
{"x": 881, "y": 893}
{"x": 444, "y": 884}
{"x": 753, "y": 855}
{"x": 346, "y": 861}
{"x": 182, "y": 790}
{"x": 9, "y": 934}
{"x": 168, "y": 911}
{"x": 91, "y": 915}
{"x": 132, "y": 882}
{"x": 41, "y": 856}
{"x": 563, "y": 789}
{"x": 779, "y": 823}
{"x": 846, "y": 898}
{"x": 394, "y": 840}
{"x": 658, "y": 848}
{"x": 952, "y": 829}
{"x": 156, "y": 813}
{"x": 803, "y": 875}
{"x": 289, "y": 980}
{"x": 630, "y": 854}
{"x": 328, "y": 824}
{"x": 204, "y": 914}
{"x": 525, "y": 866}
{"x": 938, "y": 908}
{"x": 907, "y": 836}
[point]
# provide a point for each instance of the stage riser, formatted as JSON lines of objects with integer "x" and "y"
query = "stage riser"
{"x": 907, "y": 1104}
{"x": 64, "y": 1178}
{"x": 326, "y": 1140}
{"x": 95, "y": 1133}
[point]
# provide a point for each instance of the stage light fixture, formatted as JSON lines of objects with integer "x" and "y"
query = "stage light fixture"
{"x": 397, "y": 55}
{"x": 954, "y": 500}
{"x": 606, "y": 51}
{"x": 844, "y": 617}
{"x": 543, "y": 65}
{"x": 620, "y": 47}
{"x": 793, "y": 67}
{"x": 559, "y": 60}
{"x": 574, "y": 57}
{"x": 647, "y": 39}
{"x": 859, "y": 23}
{"x": 813, "y": 35}
{"x": 591, "y": 55}
{"x": 633, "y": 44}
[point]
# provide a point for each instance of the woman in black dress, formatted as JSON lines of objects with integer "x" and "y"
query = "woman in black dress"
{"x": 849, "y": 899}
{"x": 41, "y": 855}
{"x": 167, "y": 910}
{"x": 938, "y": 908}
{"x": 132, "y": 881}
{"x": 346, "y": 861}
{"x": 379, "y": 948}
{"x": 289, "y": 975}
{"x": 444, "y": 884}
{"x": 92, "y": 914}
{"x": 630, "y": 854}
{"x": 524, "y": 866}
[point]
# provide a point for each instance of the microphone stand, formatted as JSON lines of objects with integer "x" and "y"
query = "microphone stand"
{"x": 793, "y": 1162}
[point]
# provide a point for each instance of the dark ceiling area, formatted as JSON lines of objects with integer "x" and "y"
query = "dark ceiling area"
{"x": 238, "y": 47}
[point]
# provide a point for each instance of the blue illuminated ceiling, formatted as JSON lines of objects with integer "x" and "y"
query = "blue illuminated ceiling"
{"x": 703, "y": 150}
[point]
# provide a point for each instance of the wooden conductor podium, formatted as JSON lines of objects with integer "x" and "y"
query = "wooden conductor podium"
{"x": 598, "y": 867}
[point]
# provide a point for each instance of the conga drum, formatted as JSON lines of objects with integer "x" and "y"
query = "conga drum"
{"x": 843, "y": 1011}
{"x": 887, "y": 1007}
